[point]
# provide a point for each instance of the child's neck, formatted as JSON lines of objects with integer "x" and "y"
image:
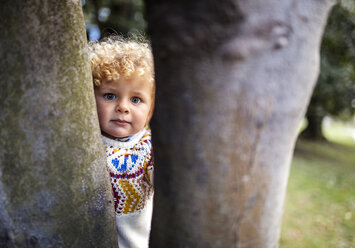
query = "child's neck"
{"x": 128, "y": 138}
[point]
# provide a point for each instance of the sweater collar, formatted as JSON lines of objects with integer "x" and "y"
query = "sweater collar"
{"x": 127, "y": 142}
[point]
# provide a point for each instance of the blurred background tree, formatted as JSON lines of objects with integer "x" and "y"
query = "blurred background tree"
{"x": 334, "y": 94}
{"x": 104, "y": 17}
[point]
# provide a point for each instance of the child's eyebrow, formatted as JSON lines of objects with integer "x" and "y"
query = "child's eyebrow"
{"x": 108, "y": 87}
{"x": 140, "y": 92}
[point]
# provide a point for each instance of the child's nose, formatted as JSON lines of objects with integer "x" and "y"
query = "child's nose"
{"x": 122, "y": 106}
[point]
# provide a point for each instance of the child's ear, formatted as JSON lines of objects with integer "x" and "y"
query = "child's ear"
{"x": 148, "y": 118}
{"x": 150, "y": 114}
{"x": 151, "y": 110}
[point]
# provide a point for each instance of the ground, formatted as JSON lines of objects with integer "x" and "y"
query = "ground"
{"x": 320, "y": 201}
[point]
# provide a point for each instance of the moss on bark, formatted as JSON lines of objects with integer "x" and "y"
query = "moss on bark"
{"x": 54, "y": 186}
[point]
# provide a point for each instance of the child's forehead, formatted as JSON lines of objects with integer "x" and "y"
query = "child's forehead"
{"x": 135, "y": 80}
{"x": 139, "y": 83}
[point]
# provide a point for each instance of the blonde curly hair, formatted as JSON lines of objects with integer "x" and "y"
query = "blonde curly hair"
{"x": 115, "y": 57}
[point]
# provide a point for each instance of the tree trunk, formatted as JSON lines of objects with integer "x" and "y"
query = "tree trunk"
{"x": 54, "y": 187}
{"x": 313, "y": 131}
{"x": 315, "y": 115}
{"x": 233, "y": 82}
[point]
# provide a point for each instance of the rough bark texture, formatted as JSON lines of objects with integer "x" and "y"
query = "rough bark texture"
{"x": 233, "y": 82}
{"x": 54, "y": 187}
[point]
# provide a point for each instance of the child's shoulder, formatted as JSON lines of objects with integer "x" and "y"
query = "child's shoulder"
{"x": 147, "y": 134}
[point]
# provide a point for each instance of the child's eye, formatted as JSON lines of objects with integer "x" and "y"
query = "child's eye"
{"x": 135, "y": 100}
{"x": 109, "y": 96}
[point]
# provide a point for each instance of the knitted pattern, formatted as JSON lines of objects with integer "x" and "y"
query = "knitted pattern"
{"x": 130, "y": 165}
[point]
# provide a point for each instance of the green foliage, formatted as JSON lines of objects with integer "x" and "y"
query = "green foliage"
{"x": 335, "y": 90}
{"x": 115, "y": 16}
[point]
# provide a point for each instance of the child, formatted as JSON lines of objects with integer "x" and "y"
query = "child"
{"x": 124, "y": 90}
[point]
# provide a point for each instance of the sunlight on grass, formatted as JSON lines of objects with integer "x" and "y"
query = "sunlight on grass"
{"x": 320, "y": 202}
{"x": 339, "y": 132}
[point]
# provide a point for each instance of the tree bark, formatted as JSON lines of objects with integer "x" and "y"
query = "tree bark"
{"x": 233, "y": 82}
{"x": 54, "y": 187}
{"x": 313, "y": 131}
{"x": 315, "y": 115}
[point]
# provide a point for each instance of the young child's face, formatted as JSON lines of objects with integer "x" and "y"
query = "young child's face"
{"x": 123, "y": 106}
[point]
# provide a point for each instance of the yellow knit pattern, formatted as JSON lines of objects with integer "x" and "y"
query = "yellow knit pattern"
{"x": 131, "y": 171}
{"x": 133, "y": 197}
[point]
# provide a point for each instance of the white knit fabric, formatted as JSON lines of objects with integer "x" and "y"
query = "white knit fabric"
{"x": 130, "y": 164}
{"x": 134, "y": 229}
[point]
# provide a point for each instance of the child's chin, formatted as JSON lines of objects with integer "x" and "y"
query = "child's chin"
{"x": 122, "y": 135}
{"x": 111, "y": 135}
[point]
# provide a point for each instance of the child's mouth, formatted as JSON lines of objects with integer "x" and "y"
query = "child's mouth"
{"x": 120, "y": 122}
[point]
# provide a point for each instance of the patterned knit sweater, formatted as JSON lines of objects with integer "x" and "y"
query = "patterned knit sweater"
{"x": 130, "y": 165}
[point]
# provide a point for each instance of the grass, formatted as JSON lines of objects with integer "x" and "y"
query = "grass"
{"x": 320, "y": 201}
